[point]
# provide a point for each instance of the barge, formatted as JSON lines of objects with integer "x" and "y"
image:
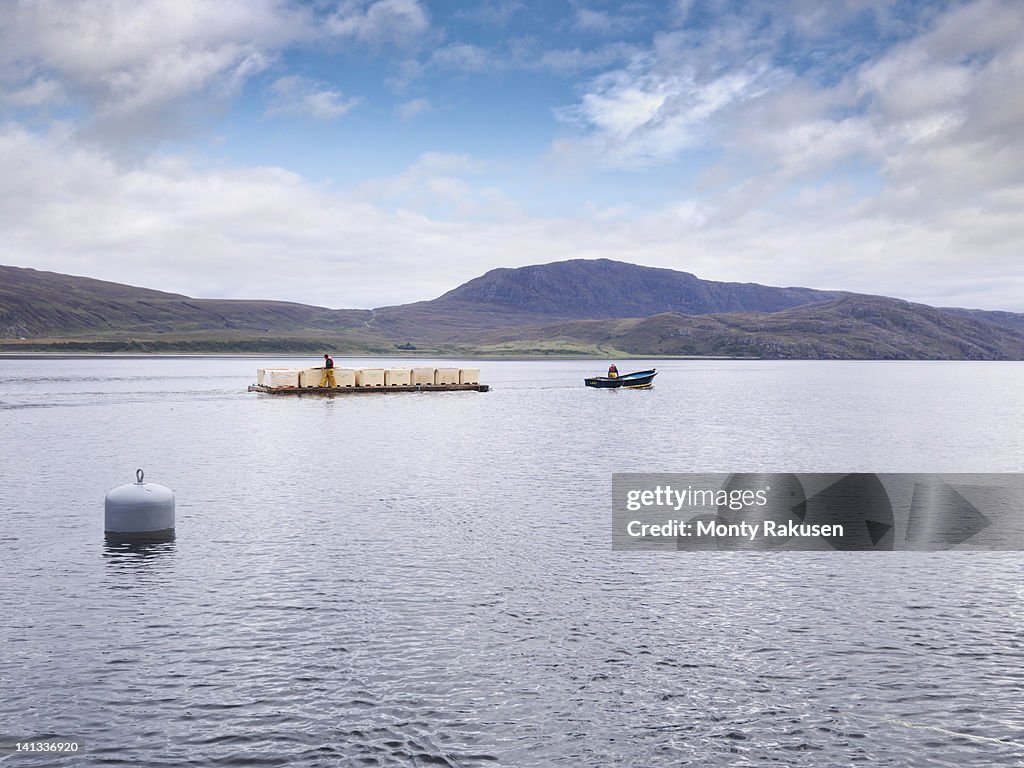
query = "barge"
{"x": 298, "y": 381}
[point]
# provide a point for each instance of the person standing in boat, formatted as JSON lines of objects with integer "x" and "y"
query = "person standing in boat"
{"x": 327, "y": 380}
{"x": 613, "y": 372}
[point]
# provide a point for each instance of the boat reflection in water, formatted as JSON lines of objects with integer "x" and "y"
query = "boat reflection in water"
{"x": 636, "y": 380}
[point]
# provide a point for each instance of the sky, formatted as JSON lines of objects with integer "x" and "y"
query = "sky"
{"x": 363, "y": 153}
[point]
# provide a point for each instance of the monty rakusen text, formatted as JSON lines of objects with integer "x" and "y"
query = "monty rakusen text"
{"x": 676, "y": 499}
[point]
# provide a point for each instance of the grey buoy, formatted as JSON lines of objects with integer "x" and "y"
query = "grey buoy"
{"x": 139, "y": 512}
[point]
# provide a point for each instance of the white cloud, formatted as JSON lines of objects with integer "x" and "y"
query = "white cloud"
{"x": 155, "y": 69}
{"x": 94, "y": 41}
{"x": 134, "y": 63}
{"x": 927, "y": 123}
{"x": 295, "y": 95}
{"x": 566, "y": 61}
{"x": 642, "y": 115}
{"x": 597, "y": 21}
{"x": 407, "y": 110}
{"x": 464, "y": 57}
{"x": 381, "y": 22}
{"x": 439, "y": 185}
{"x": 496, "y": 12}
{"x": 945, "y": 106}
{"x": 223, "y": 232}
{"x": 593, "y": 20}
{"x": 521, "y": 55}
{"x": 40, "y": 92}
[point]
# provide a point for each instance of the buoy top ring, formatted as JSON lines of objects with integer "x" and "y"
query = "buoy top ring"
{"x": 139, "y": 474}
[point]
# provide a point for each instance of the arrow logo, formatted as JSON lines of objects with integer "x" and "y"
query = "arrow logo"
{"x": 941, "y": 518}
{"x": 860, "y": 504}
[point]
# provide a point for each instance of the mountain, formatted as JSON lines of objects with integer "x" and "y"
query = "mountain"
{"x": 600, "y": 288}
{"x": 577, "y": 307}
{"x": 575, "y": 290}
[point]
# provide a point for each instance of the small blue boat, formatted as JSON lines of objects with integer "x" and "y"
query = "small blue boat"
{"x": 636, "y": 380}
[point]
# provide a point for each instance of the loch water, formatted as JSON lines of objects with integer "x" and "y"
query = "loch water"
{"x": 428, "y": 579}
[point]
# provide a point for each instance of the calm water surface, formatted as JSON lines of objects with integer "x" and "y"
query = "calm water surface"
{"x": 427, "y": 579}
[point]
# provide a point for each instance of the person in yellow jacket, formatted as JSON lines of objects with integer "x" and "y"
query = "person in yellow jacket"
{"x": 327, "y": 380}
{"x": 613, "y": 372}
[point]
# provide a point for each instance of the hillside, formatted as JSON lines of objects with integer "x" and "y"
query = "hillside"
{"x": 1012, "y": 320}
{"x": 45, "y": 304}
{"x": 574, "y": 307}
{"x": 852, "y": 327}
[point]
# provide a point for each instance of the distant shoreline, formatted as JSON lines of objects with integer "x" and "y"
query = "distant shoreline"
{"x": 481, "y": 358}
{"x": 285, "y": 356}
